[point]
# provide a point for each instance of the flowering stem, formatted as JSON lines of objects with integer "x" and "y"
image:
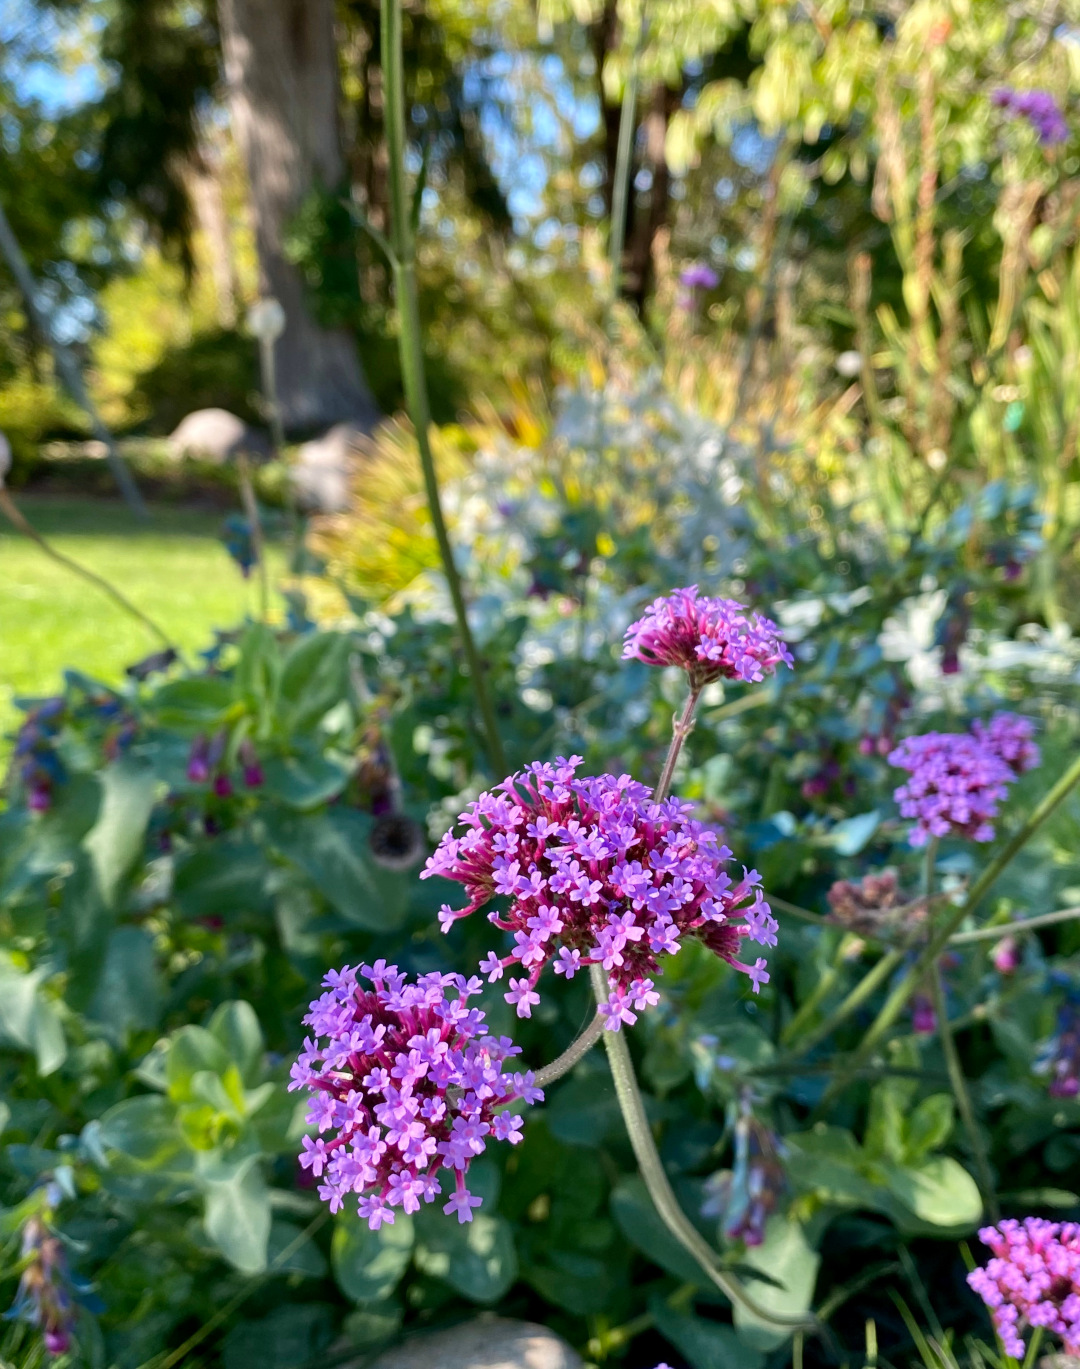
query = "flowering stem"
{"x": 258, "y": 546}
{"x": 684, "y": 725}
{"x": 403, "y": 263}
{"x": 960, "y": 1092}
{"x": 821, "y": 991}
{"x": 656, "y": 1181}
{"x": 562, "y": 1064}
{"x": 19, "y": 520}
{"x": 895, "y": 1003}
{"x": 1023, "y": 924}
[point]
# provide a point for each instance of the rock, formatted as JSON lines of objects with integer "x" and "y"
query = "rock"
{"x": 488, "y": 1342}
{"x": 321, "y": 468}
{"x": 216, "y": 435}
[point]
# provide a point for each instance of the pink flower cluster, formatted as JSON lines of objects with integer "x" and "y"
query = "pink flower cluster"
{"x": 1033, "y": 1280}
{"x": 407, "y": 1082}
{"x": 955, "y": 785}
{"x": 1009, "y": 737}
{"x": 595, "y": 872}
{"x": 710, "y": 639}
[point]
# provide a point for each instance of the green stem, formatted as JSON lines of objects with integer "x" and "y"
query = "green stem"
{"x": 656, "y": 1181}
{"x": 824, "y": 986}
{"x": 562, "y": 1064}
{"x": 684, "y": 725}
{"x": 1023, "y": 924}
{"x": 16, "y": 517}
{"x": 897, "y": 1000}
{"x": 1034, "y": 1345}
{"x": 412, "y": 360}
{"x": 962, "y": 1095}
{"x": 620, "y": 185}
{"x": 866, "y": 986}
{"x": 258, "y": 544}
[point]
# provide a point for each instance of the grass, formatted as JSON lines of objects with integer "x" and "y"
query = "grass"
{"x": 174, "y": 568}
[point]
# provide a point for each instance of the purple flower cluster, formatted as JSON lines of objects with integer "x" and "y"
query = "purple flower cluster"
{"x": 1009, "y": 737}
{"x": 710, "y": 639}
{"x": 35, "y": 758}
{"x": 43, "y": 1298}
{"x": 955, "y": 785}
{"x": 1039, "y": 108}
{"x": 1033, "y": 1280}
{"x": 206, "y": 763}
{"x": 407, "y": 1082}
{"x": 597, "y": 873}
{"x": 1060, "y": 1058}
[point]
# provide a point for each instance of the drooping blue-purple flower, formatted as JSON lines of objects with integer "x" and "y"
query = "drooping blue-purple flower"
{"x": 1039, "y": 108}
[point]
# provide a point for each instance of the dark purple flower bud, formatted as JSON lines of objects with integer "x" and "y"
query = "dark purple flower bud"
{"x": 923, "y": 1016}
{"x": 223, "y": 786}
{"x": 198, "y": 766}
{"x": 39, "y": 800}
{"x": 249, "y": 761}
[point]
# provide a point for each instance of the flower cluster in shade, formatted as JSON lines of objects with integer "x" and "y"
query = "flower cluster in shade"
{"x": 43, "y": 1298}
{"x": 404, "y": 1082}
{"x": 1039, "y": 108}
{"x": 1032, "y": 1281}
{"x": 1060, "y": 1056}
{"x": 206, "y": 763}
{"x": 958, "y": 779}
{"x": 711, "y": 639}
{"x": 596, "y": 873}
{"x": 35, "y": 759}
{"x": 744, "y": 1196}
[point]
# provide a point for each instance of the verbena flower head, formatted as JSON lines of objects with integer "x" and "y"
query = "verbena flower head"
{"x": 597, "y": 873}
{"x": 1010, "y": 737}
{"x": 711, "y": 639}
{"x": 406, "y": 1081}
{"x": 955, "y": 786}
{"x": 1039, "y": 108}
{"x": 1033, "y": 1280}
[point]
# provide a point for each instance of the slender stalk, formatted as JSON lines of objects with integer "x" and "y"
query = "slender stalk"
{"x": 620, "y": 185}
{"x": 684, "y": 725}
{"x": 895, "y": 1003}
{"x": 66, "y": 366}
{"x": 1023, "y": 924}
{"x": 562, "y": 1064}
{"x": 15, "y": 516}
{"x": 824, "y": 986}
{"x": 866, "y": 986}
{"x": 412, "y": 359}
{"x": 251, "y": 509}
{"x": 1034, "y": 1346}
{"x": 656, "y": 1180}
{"x": 963, "y": 1097}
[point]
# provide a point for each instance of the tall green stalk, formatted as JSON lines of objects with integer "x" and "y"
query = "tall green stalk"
{"x": 403, "y": 265}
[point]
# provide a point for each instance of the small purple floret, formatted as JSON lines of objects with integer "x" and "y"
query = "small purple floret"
{"x": 955, "y": 786}
{"x": 1010, "y": 737}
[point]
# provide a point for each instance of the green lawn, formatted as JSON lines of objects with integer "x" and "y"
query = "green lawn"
{"x": 174, "y": 568}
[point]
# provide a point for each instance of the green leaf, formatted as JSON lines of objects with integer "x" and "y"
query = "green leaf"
{"x": 237, "y": 1214}
{"x": 27, "y": 1018}
{"x": 940, "y": 1192}
{"x": 928, "y": 1127}
{"x": 313, "y": 679}
{"x": 191, "y": 1050}
{"x": 237, "y": 1028}
{"x": 580, "y": 1284}
{"x": 118, "y": 835}
{"x": 128, "y": 994}
{"x": 144, "y": 1129}
{"x": 787, "y": 1258}
{"x": 226, "y": 878}
{"x": 305, "y": 779}
{"x": 476, "y": 1258}
{"x": 259, "y": 667}
{"x": 706, "y": 1344}
{"x": 639, "y": 1222}
{"x": 306, "y": 1259}
{"x": 196, "y": 704}
{"x": 369, "y": 1265}
{"x": 849, "y": 837}
{"x": 289, "y": 1336}
{"x": 331, "y": 848}
{"x": 585, "y": 1111}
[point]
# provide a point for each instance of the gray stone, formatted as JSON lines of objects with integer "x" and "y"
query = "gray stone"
{"x": 216, "y": 435}
{"x": 488, "y": 1342}
{"x": 322, "y": 468}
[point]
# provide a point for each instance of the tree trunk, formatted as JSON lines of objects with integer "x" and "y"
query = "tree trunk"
{"x": 281, "y": 68}
{"x": 203, "y": 176}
